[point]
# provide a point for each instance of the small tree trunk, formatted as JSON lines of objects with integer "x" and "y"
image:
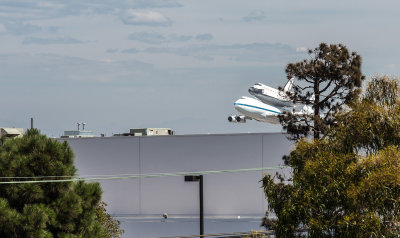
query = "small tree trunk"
{"x": 316, "y": 110}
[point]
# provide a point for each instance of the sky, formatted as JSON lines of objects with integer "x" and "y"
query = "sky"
{"x": 121, "y": 64}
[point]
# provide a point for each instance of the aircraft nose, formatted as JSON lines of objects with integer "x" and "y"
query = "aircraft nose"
{"x": 236, "y": 104}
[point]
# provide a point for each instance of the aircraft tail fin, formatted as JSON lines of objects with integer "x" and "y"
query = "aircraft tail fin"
{"x": 288, "y": 85}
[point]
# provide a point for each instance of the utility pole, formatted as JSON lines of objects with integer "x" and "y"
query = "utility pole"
{"x": 201, "y": 205}
{"x": 199, "y": 179}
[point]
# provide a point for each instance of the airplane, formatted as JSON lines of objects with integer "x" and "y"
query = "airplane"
{"x": 252, "y": 108}
{"x": 268, "y": 104}
{"x": 272, "y": 96}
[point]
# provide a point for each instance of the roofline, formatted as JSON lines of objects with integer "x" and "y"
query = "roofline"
{"x": 182, "y": 135}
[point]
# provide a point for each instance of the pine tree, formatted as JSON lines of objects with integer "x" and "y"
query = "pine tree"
{"x": 332, "y": 76}
{"x": 56, "y": 209}
{"x": 346, "y": 184}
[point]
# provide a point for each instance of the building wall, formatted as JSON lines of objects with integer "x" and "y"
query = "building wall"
{"x": 225, "y": 194}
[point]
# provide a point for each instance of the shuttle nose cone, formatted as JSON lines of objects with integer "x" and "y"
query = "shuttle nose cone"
{"x": 253, "y": 90}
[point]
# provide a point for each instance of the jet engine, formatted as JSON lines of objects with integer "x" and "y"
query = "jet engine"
{"x": 240, "y": 119}
{"x": 232, "y": 118}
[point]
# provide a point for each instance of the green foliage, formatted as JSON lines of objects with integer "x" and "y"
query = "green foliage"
{"x": 346, "y": 184}
{"x": 373, "y": 122}
{"x": 110, "y": 225}
{"x": 62, "y": 209}
{"x": 333, "y": 75}
{"x": 256, "y": 234}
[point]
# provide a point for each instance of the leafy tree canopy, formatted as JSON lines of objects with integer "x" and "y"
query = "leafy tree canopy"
{"x": 329, "y": 79}
{"x": 58, "y": 209}
{"x": 109, "y": 224}
{"x": 346, "y": 184}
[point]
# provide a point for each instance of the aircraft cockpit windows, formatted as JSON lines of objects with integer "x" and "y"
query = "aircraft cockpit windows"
{"x": 255, "y": 90}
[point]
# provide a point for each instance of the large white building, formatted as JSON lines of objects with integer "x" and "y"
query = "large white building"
{"x": 225, "y": 194}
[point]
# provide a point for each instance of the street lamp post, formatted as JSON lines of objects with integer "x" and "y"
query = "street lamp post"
{"x": 199, "y": 178}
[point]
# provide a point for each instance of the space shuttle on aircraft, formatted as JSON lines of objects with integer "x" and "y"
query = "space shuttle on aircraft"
{"x": 269, "y": 104}
{"x": 272, "y": 96}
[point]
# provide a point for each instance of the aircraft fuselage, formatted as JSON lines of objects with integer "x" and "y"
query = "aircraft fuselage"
{"x": 254, "y": 109}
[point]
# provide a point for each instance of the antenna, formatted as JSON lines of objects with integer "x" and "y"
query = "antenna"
{"x": 78, "y": 125}
{"x": 83, "y": 125}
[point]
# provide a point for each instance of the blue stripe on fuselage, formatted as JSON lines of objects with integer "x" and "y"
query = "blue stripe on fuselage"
{"x": 246, "y": 105}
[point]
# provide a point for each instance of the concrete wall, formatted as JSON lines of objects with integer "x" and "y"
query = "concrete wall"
{"x": 224, "y": 194}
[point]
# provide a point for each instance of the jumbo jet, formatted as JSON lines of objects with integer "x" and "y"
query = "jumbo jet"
{"x": 252, "y": 108}
{"x": 271, "y": 103}
{"x": 272, "y": 96}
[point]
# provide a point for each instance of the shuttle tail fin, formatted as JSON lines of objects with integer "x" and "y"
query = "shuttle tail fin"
{"x": 288, "y": 85}
{"x": 312, "y": 98}
{"x": 306, "y": 110}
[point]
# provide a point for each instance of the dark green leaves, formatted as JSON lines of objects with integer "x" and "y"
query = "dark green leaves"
{"x": 334, "y": 77}
{"x": 64, "y": 209}
{"x": 346, "y": 184}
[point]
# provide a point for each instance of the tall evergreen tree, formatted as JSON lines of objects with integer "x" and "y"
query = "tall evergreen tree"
{"x": 329, "y": 79}
{"x": 57, "y": 209}
{"x": 346, "y": 184}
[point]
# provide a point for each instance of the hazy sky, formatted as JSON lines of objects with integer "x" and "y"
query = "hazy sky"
{"x": 120, "y": 64}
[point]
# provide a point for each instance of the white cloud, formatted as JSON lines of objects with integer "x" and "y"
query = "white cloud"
{"x": 157, "y": 38}
{"x": 253, "y": 52}
{"x": 148, "y": 37}
{"x": 130, "y": 51}
{"x": 42, "y": 9}
{"x": 2, "y": 28}
{"x": 21, "y": 28}
{"x": 156, "y": 3}
{"x": 152, "y": 18}
{"x": 51, "y": 5}
{"x": 301, "y": 49}
{"x": 204, "y": 37}
{"x": 111, "y": 50}
{"x": 256, "y": 15}
{"x": 50, "y": 41}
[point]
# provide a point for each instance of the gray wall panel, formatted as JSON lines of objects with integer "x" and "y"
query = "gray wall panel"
{"x": 196, "y": 153}
{"x": 171, "y": 195}
{"x": 237, "y": 194}
{"x": 275, "y": 146}
{"x": 106, "y": 156}
{"x": 223, "y": 193}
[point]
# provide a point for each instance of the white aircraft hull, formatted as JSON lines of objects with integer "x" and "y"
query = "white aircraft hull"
{"x": 273, "y": 100}
{"x": 253, "y": 109}
{"x": 272, "y": 96}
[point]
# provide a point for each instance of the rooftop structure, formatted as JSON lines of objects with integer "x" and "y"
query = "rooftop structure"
{"x": 78, "y": 133}
{"x": 11, "y": 132}
{"x": 148, "y": 132}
